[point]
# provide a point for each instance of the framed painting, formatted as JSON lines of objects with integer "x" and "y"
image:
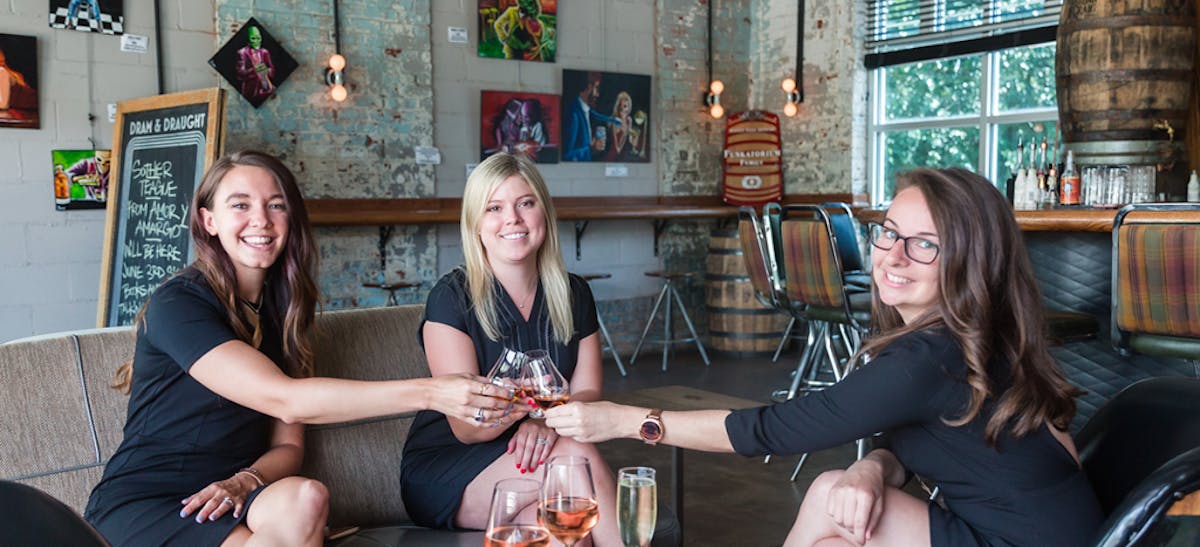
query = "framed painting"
{"x": 19, "y": 82}
{"x": 519, "y": 123}
{"x": 107, "y": 17}
{"x": 605, "y": 116}
{"x": 526, "y": 30}
{"x": 80, "y": 178}
{"x": 253, "y": 62}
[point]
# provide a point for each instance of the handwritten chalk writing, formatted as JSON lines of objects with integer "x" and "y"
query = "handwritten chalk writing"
{"x": 148, "y": 228}
{"x": 151, "y": 170}
{"x": 131, "y": 271}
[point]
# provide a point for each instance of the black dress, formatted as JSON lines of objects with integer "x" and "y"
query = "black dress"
{"x": 179, "y": 436}
{"x": 436, "y": 467}
{"x": 1026, "y": 491}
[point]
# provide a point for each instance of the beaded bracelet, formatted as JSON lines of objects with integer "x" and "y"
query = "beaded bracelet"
{"x": 253, "y": 473}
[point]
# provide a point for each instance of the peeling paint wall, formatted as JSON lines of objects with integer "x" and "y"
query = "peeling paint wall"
{"x": 360, "y": 148}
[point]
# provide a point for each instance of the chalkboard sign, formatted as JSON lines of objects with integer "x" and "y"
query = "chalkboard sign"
{"x": 162, "y": 147}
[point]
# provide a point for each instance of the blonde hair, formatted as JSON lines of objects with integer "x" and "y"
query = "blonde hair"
{"x": 556, "y": 287}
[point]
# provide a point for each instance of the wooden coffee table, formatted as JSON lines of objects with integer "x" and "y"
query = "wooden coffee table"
{"x": 681, "y": 398}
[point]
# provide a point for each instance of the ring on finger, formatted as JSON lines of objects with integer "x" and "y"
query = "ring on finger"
{"x": 479, "y": 415}
{"x": 227, "y": 499}
{"x": 483, "y": 389}
{"x": 542, "y": 441}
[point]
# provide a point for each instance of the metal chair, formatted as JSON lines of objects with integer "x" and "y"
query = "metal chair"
{"x": 33, "y": 517}
{"x": 759, "y": 252}
{"x": 670, "y": 293}
{"x": 1156, "y": 281}
{"x": 600, "y": 319}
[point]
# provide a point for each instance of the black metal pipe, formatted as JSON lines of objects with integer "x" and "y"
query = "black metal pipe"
{"x": 158, "y": 47}
{"x": 337, "y": 23}
{"x": 800, "y": 53}
{"x": 708, "y": 52}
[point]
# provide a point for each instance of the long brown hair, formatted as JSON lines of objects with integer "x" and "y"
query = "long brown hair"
{"x": 290, "y": 281}
{"x": 989, "y": 302}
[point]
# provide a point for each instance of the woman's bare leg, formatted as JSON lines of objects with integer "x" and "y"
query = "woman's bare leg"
{"x": 290, "y": 511}
{"x": 903, "y": 523}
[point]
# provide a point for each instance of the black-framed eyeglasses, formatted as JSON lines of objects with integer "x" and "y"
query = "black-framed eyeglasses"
{"x": 918, "y": 249}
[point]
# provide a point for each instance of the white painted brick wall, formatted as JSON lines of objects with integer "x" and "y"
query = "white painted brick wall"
{"x": 50, "y": 260}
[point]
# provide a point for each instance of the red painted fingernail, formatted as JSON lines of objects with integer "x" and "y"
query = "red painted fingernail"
{"x": 540, "y": 462}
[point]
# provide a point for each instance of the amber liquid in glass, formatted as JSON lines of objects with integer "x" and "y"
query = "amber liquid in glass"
{"x": 569, "y": 519}
{"x": 517, "y": 536}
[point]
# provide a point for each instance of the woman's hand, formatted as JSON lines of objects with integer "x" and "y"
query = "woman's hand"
{"x": 219, "y": 498}
{"x": 469, "y": 398}
{"x": 531, "y": 444}
{"x": 856, "y": 499}
{"x": 594, "y": 422}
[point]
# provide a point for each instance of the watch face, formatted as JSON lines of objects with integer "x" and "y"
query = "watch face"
{"x": 651, "y": 430}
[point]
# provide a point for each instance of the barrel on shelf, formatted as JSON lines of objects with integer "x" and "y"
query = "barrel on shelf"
{"x": 737, "y": 322}
{"x": 1124, "y": 73}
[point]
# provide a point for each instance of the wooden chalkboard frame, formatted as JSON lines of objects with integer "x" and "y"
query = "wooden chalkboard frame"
{"x": 214, "y": 143}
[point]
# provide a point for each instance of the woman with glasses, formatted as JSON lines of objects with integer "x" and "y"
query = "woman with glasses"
{"x": 959, "y": 381}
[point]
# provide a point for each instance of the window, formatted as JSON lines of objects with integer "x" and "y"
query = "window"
{"x": 958, "y": 83}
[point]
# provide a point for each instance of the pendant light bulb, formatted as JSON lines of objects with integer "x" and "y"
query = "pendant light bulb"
{"x": 717, "y": 87}
{"x": 790, "y": 109}
{"x": 337, "y": 62}
{"x": 788, "y": 85}
{"x": 717, "y": 111}
{"x": 338, "y": 92}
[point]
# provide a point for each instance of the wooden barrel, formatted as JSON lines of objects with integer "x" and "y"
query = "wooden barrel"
{"x": 737, "y": 322}
{"x": 1124, "y": 67}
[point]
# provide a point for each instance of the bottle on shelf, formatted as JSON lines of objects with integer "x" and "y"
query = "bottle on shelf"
{"x": 1069, "y": 186}
{"x": 1193, "y": 188}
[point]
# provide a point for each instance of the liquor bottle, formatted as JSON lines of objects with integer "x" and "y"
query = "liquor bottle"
{"x": 1193, "y": 188}
{"x": 1069, "y": 189}
{"x": 1045, "y": 198}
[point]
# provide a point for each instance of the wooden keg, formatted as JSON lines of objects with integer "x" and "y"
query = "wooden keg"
{"x": 737, "y": 322}
{"x": 1124, "y": 73}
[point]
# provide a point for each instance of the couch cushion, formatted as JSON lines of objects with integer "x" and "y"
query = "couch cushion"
{"x": 103, "y": 351}
{"x": 371, "y": 344}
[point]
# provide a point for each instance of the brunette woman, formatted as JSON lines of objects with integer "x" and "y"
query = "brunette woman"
{"x": 222, "y": 379}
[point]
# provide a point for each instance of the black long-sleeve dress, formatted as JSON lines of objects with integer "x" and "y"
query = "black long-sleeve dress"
{"x": 179, "y": 436}
{"x": 436, "y": 467}
{"x": 1026, "y": 491}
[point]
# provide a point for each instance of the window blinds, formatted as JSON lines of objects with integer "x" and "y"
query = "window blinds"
{"x": 905, "y": 31}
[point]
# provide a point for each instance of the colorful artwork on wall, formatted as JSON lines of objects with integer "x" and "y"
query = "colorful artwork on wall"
{"x": 753, "y": 159}
{"x": 519, "y": 123}
{"x": 80, "y": 178}
{"x": 19, "y": 82}
{"x": 525, "y": 30}
{"x": 253, "y": 62}
{"x": 107, "y": 17}
{"x": 605, "y": 116}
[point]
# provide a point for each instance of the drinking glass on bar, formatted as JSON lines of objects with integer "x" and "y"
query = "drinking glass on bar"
{"x": 543, "y": 382}
{"x": 568, "y": 504}
{"x": 511, "y": 520}
{"x": 637, "y": 505}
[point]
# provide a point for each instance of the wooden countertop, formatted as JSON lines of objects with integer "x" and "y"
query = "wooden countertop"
{"x": 374, "y": 212}
{"x": 1068, "y": 220}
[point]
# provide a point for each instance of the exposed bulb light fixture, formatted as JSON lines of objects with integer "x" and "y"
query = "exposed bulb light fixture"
{"x": 713, "y": 99}
{"x": 792, "y": 96}
{"x": 335, "y": 79}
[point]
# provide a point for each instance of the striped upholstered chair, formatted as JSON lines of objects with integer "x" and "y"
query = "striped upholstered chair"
{"x": 759, "y": 252}
{"x": 1156, "y": 281}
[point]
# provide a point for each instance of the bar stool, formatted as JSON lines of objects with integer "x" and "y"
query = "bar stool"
{"x": 604, "y": 330}
{"x": 391, "y": 288}
{"x": 668, "y": 291}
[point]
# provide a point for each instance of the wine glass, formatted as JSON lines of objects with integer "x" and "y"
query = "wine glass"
{"x": 508, "y": 519}
{"x": 508, "y": 372}
{"x": 637, "y": 505}
{"x": 543, "y": 382}
{"x": 568, "y": 504}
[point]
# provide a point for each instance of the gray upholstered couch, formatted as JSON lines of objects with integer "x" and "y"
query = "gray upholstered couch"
{"x": 61, "y": 421}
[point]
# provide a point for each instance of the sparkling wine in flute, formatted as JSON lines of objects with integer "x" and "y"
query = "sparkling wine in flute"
{"x": 517, "y": 536}
{"x": 569, "y": 518}
{"x": 637, "y": 505}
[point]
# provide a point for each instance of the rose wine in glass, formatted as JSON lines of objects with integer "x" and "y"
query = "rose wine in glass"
{"x": 637, "y": 505}
{"x": 543, "y": 383}
{"x": 568, "y": 507}
{"x": 510, "y": 513}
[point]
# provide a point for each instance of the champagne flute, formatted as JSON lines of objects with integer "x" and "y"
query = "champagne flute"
{"x": 508, "y": 372}
{"x": 543, "y": 382}
{"x": 568, "y": 503}
{"x": 508, "y": 519}
{"x": 637, "y": 505}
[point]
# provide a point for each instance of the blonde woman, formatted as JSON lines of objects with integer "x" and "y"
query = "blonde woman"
{"x": 15, "y": 91}
{"x": 513, "y": 292}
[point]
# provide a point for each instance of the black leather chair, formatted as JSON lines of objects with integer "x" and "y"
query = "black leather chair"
{"x": 32, "y": 517}
{"x": 1141, "y": 452}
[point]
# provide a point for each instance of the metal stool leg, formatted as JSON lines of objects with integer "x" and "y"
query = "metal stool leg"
{"x": 611, "y": 348}
{"x": 650, "y": 321}
{"x": 667, "y": 333}
{"x": 783, "y": 341}
{"x": 688, "y": 320}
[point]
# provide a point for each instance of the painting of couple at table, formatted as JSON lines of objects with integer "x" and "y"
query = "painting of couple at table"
{"x": 606, "y": 116}
{"x": 519, "y": 123}
{"x": 18, "y": 82}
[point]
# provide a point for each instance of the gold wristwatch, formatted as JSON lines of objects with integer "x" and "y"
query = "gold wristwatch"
{"x": 652, "y": 429}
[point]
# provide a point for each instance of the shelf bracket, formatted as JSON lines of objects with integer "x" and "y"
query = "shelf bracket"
{"x": 580, "y": 228}
{"x": 660, "y": 224}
